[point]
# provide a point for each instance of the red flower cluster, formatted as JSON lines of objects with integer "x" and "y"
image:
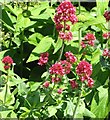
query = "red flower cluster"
{"x": 88, "y": 40}
{"x": 73, "y": 84}
{"x": 59, "y": 69}
{"x": 106, "y": 35}
{"x": 65, "y": 12}
{"x": 84, "y": 70}
{"x": 46, "y": 84}
{"x": 70, "y": 57}
{"x": 107, "y": 15}
{"x": 66, "y": 36}
{"x": 56, "y": 69}
{"x": 106, "y": 53}
{"x": 8, "y": 61}
{"x": 43, "y": 58}
{"x": 63, "y": 67}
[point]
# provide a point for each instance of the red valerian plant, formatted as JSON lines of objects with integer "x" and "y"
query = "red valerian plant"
{"x": 84, "y": 71}
{"x": 65, "y": 13}
{"x": 59, "y": 69}
{"x": 88, "y": 40}
{"x": 8, "y": 61}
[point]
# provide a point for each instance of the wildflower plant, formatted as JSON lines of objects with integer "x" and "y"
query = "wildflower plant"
{"x": 55, "y": 61}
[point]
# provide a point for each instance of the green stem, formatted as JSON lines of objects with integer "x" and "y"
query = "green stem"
{"x": 77, "y": 104}
{"x": 6, "y": 87}
{"x": 62, "y": 48}
{"x": 79, "y": 4}
{"x": 61, "y": 53}
{"x": 79, "y": 37}
{"x": 21, "y": 52}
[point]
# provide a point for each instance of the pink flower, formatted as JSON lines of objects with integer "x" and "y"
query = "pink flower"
{"x": 73, "y": 84}
{"x": 6, "y": 67}
{"x": 70, "y": 57}
{"x": 88, "y": 40}
{"x": 8, "y": 61}
{"x": 83, "y": 78}
{"x": 43, "y": 58}
{"x": 62, "y": 35}
{"x": 56, "y": 79}
{"x": 59, "y": 27}
{"x": 91, "y": 42}
{"x": 66, "y": 36}
{"x": 66, "y": 66}
{"x": 84, "y": 69}
{"x": 89, "y": 37}
{"x": 83, "y": 44}
{"x": 69, "y": 36}
{"x": 67, "y": 27}
{"x": 46, "y": 84}
{"x": 59, "y": 91}
{"x": 107, "y": 15}
{"x": 106, "y": 53}
{"x": 90, "y": 82}
{"x": 65, "y": 12}
{"x": 106, "y": 35}
{"x": 73, "y": 18}
{"x": 56, "y": 69}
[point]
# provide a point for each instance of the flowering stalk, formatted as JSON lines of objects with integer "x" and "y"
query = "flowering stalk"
{"x": 79, "y": 37}
{"x": 7, "y": 61}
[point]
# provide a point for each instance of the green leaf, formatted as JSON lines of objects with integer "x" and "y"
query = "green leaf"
{"x": 9, "y": 96}
{"x": 14, "y": 80}
{"x": 34, "y": 38}
{"x": 13, "y": 115}
{"x": 80, "y": 109}
{"x": 52, "y": 111}
{"x": 4, "y": 114}
{"x": 95, "y": 21}
{"x": 100, "y": 110}
{"x": 102, "y": 5}
{"x": 33, "y": 98}
{"x": 88, "y": 113}
{"x": 58, "y": 45}
{"x": 25, "y": 109}
{"x": 33, "y": 57}
{"x": 22, "y": 88}
{"x": 34, "y": 86}
{"x": 69, "y": 109}
{"x": 42, "y": 47}
{"x": 6, "y": 18}
{"x": 22, "y": 23}
{"x": 96, "y": 56}
{"x": 38, "y": 9}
